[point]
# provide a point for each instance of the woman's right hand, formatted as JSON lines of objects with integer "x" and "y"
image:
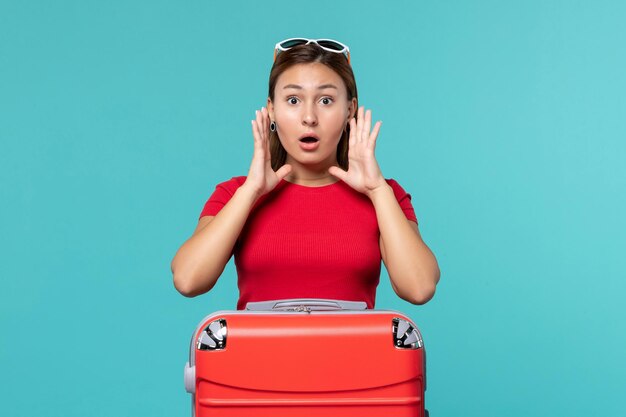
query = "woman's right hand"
{"x": 202, "y": 258}
{"x": 261, "y": 178}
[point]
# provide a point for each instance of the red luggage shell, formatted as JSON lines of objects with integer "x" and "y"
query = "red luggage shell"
{"x": 300, "y": 363}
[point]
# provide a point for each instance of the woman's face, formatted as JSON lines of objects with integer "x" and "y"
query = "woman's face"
{"x": 310, "y": 100}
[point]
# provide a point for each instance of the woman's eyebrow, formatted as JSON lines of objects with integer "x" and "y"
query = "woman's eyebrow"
{"x": 321, "y": 87}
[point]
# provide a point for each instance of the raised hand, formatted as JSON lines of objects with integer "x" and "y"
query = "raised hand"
{"x": 261, "y": 177}
{"x": 363, "y": 172}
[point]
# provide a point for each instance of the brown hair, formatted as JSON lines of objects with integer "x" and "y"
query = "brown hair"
{"x": 306, "y": 54}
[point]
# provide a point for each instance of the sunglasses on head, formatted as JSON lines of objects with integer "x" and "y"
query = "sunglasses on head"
{"x": 326, "y": 44}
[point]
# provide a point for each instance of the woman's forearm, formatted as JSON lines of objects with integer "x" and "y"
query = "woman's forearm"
{"x": 202, "y": 258}
{"x": 412, "y": 267}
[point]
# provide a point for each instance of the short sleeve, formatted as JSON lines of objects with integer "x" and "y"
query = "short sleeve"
{"x": 222, "y": 195}
{"x": 404, "y": 200}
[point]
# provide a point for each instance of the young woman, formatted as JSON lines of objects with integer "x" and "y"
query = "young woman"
{"x": 314, "y": 216}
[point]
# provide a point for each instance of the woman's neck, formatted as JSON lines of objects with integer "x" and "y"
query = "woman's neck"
{"x": 309, "y": 175}
{"x": 311, "y": 181}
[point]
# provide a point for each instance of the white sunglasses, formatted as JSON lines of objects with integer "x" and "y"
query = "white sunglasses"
{"x": 326, "y": 44}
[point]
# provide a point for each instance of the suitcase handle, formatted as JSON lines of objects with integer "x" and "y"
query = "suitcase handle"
{"x": 306, "y": 305}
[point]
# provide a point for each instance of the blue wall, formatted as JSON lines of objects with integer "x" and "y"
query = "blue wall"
{"x": 504, "y": 120}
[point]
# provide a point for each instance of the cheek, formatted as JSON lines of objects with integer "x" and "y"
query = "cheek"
{"x": 284, "y": 117}
{"x": 338, "y": 120}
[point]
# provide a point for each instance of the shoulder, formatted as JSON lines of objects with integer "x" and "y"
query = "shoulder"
{"x": 221, "y": 195}
{"x": 396, "y": 187}
{"x": 404, "y": 199}
{"x": 232, "y": 184}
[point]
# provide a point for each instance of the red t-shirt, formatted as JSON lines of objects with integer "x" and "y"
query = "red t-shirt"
{"x": 308, "y": 242}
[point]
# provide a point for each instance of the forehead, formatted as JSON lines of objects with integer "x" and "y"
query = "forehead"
{"x": 309, "y": 77}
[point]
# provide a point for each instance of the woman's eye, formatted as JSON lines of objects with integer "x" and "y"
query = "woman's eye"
{"x": 292, "y": 100}
{"x": 327, "y": 100}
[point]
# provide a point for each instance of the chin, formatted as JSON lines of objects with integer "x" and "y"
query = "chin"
{"x": 311, "y": 159}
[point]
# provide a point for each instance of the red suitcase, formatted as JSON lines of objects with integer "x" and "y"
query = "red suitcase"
{"x": 306, "y": 358}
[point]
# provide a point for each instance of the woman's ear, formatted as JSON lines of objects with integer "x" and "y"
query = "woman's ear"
{"x": 352, "y": 108}
{"x": 270, "y": 109}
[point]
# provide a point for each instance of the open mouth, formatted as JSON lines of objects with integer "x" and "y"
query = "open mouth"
{"x": 309, "y": 143}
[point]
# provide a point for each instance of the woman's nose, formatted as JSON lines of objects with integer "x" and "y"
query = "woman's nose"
{"x": 309, "y": 118}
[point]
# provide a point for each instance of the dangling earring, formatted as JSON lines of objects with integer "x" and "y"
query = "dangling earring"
{"x": 273, "y": 126}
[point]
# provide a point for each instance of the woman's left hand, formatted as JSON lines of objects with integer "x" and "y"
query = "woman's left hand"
{"x": 363, "y": 173}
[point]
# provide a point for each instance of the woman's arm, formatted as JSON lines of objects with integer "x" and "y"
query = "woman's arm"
{"x": 412, "y": 267}
{"x": 201, "y": 259}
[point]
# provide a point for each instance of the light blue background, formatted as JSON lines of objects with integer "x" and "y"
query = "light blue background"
{"x": 504, "y": 120}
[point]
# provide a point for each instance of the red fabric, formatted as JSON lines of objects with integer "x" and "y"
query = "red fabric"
{"x": 308, "y": 242}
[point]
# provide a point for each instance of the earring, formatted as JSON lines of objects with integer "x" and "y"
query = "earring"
{"x": 273, "y": 126}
